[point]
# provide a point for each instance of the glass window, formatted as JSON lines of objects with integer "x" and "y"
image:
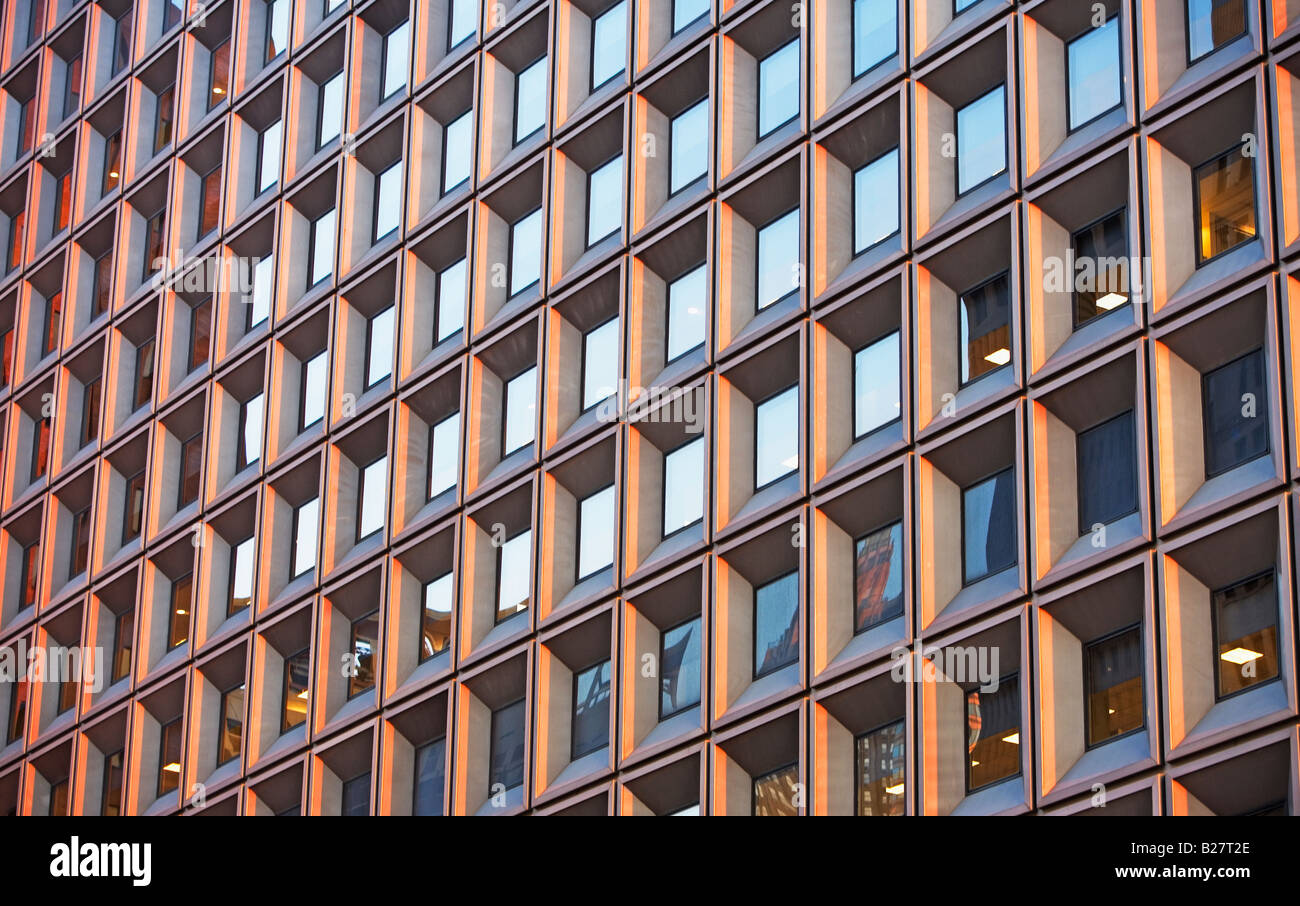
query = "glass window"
{"x": 166, "y": 110}
{"x": 62, "y": 201}
{"x": 993, "y": 722}
{"x": 200, "y": 334}
{"x": 461, "y": 22}
{"x": 313, "y": 391}
{"x": 111, "y": 803}
{"x": 530, "y": 100}
{"x": 981, "y": 140}
{"x": 878, "y": 577}
{"x": 322, "y": 248}
{"x": 686, "y": 12}
{"x": 27, "y": 125}
{"x": 53, "y": 323}
{"x": 985, "y": 315}
{"x": 123, "y": 633}
{"x": 875, "y": 219}
{"x": 604, "y": 200}
{"x": 219, "y": 80}
{"x": 880, "y": 756}
{"x": 595, "y": 532}
{"x": 242, "y": 558}
{"x": 6, "y": 356}
{"x": 191, "y": 470}
{"x": 372, "y": 503}
{"x": 356, "y": 796}
{"x": 590, "y": 710}
{"x": 506, "y": 750}
{"x": 875, "y": 33}
{"x": 777, "y": 437}
{"x": 31, "y": 572}
{"x": 103, "y": 288}
{"x": 182, "y": 602}
{"x": 1212, "y": 24}
{"x": 435, "y": 619}
{"x": 776, "y": 624}
{"x": 397, "y": 59}
{"x": 305, "y": 527}
{"x": 231, "y": 740}
{"x": 1092, "y": 60}
{"x": 444, "y": 455}
{"x": 112, "y": 162}
{"x": 514, "y": 576}
{"x": 778, "y": 259}
{"x": 1233, "y": 437}
{"x": 155, "y": 238}
{"x": 172, "y": 13}
{"x": 683, "y": 486}
{"x": 268, "y": 157}
{"x": 17, "y": 724}
{"x": 14, "y": 257}
{"x": 379, "y": 346}
{"x": 122, "y": 42}
{"x": 249, "y": 444}
{"x": 329, "y": 116}
{"x": 608, "y": 44}
{"x": 1114, "y": 671}
{"x": 59, "y": 799}
{"x": 778, "y": 88}
{"x": 989, "y": 526}
{"x": 687, "y": 296}
{"x": 297, "y": 675}
{"x": 144, "y": 373}
{"x": 1107, "y": 465}
{"x": 688, "y": 146}
{"x": 1225, "y": 204}
{"x": 774, "y": 793}
{"x": 525, "y": 252}
{"x": 430, "y": 778}
{"x": 960, "y": 6}
{"x": 1245, "y": 634}
{"x": 519, "y": 406}
{"x": 80, "y": 543}
{"x": 876, "y": 378}
{"x": 41, "y": 450}
{"x": 452, "y": 292}
{"x": 364, "y": 646}
{"x": 457, "y": 151}
{"x": 679, "y": 667}
{"x": 1104, "y": 244}
{"x": 388, "y": 201}
{"x": 277, "y": 28}
{"x": 259, "y": 308}
{"x": 90, "y": 404}
{"x": 72, "y": 88}
{"x": 134, "y": 507}
{"x": 170, "y": 738}
{"x": 210, "y": 202}
{"x": 599, "y": 363}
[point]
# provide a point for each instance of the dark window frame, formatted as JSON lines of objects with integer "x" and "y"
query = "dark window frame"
{"x": 192, "y": 360}
{"x": 370, "y": 339}
{"x": 505, "y": 413}
{"x": 672, "y": 120}
{"x": 663, "y": 497}
{"x": 516, "y": 138}
{"x": 574, "y": 753}
{"x": 162, "y": 756}
{"x": 1020, "y": 729}
{"x": 231, "y": 609}
{"x": 1271, "y": 572}
{"x": 753, "y": 784}
{"x": 962, "y": 350}
{"x": 443, "y": 188}
{"x": 1201, "y": 261}
{"x": 853, "y": 202}
{"x": 361, "y": 499}
{"x": 221, "y": 709}
{"x": 854, "y": 74}
{"x": 582, "y": 366}
{"x": 510, "y": 260}
{"x": 285, "y": 727}
{"x": 857, "y": 763}
{"x": 497, "y": 619}
{"x": 759, "y": 305}
{"x": 127, "y": 535}
{"x": 171, "y": 615}
{"x": 592, "y": 85}
{"x": 1133, "y": 471}
{"x": 293, "y": 562}
{"x": 699, "y": 694}
{"x": 383, "y": 60}
{"x": 181, "y": 502}
{"x": 758, "y": 441}
{"x": 1120, "y": 212}
{"x": 302, "y": 395}
{"x": 577, "y": 535}
{"x": 124, "y": 620}
{"x": 1088, "y": 647}
{"x": 429, "y": 494}
{"x": 375, "y": 236}
{"x": 590, "y": 243}
{"x": 668, "y": 291}
{"x": 356, "y": 661}
{"x": 1187, "y": 33}
{"x": 322, "y": 144}
{"x": 853, "y": 385}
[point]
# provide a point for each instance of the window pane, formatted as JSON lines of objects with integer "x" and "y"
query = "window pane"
{"x": 90, "y": 411}
{"x": 397, "y": 57}
{"x": 875, "y": 202}
{"x": 1235, "y": 432}
{"x": 251, "y": 441}
{"x": 452, "y": 291}
{"x": 166, "y": 110}
{"x": 506, "y": 756}
{"x": 1107, "y": 457}
{"x": 687, "y": 11}
{"x": 112, "y": 802}
{"x": 330, "y": 116}
{"x": 134, "y": 507}
{"x": 169, "y": 757}
{"x": 679, "y": 660}
{"x": 277, "y": 28}
{"x": 435, "y": 621}
{"x": 232, "y": 725}
{"x": 880, "y": 761}
{"x": 520, "y": 408}
{"x": 313, "y": 391}
{"x": 1213, "y": 23}
{"x": 1225, "y": 204}
{"x": 687, "y": 296}
{"x": 1115, "y": 686}
{"x": 444, "y": 455}
{"x": 374, "y": 498}
{"x": 356, "y": 796}
{"x": 985, "y": 328}
{"x": 875, "y": 33}
{"x": 123, "y": 632}
{"x": 191, "y": 470}
{"x": 988, "y": 526}
{"x": 263, "y": 274}
{"x": 683, "y": 486}
{"x": 774, "y": 793}
{"x": 430, "y": 778}
{"x": 981, "y": 139}
{"x": 388, "y": 201}
{"x": 876, "y": 385}
{"x": 322, "y": 244}
{"x": 596, "y": 532}
{"x": 200, "y": 334}
{"x": 525, "y": 252}
{"x": 1105, "y": 245}
{"x": 365, "y": 645}
{"x": 210, "y": 204}
{"x": 599, "y": 363}
{"x": 220, "y": 74}
{"x": 112, "y": 163}
{"x": 103, "y": 284}
{"x": 608, "y": 44}
{"x": 182, "y": 602}
{"x": 458, "y": 151}
{"x": 778, "y": 88}
{"x": 1245, "y": 634}
{"x": 514, "y": 579}
{"x": 304, "y": 549}
{"x": 878, "y": 577}
{"x": 268, "y": 167}
{"x": 380, "y": 347}
{"x": 689, "y": 146}
{"x": 590, "y": 710}
{"x": 241, "y": 575}
{"x": 776, "y": 624}
{"x": 530, "y": 100}
{"x": 1093, "y": 63}
{"x": 604, "y": 200}
{"x": 778, "y": 259}
{"x": 296, "y": 677}
{"x": 777, "y": 434}
{"x": 463, "y": 20}
{"x": 993, "y": 725}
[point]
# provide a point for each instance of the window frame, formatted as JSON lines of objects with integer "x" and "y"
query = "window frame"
{"x": 854, "y": 75}
{"x": 577, "y": 535}
{"x": 663, "y": 497}
{"x": 966, "y": 583}
{"x": 759, "y": 134}
{"x": 757, "y": 442}
{"x": 271, "y": 7}
{"x": 189, "y": 611}
{"x": 260, "y": 189}
{"x": 114, "y": 140}
{"x": 80, "y": 537}
{"x": 1196, "y": 205}
{"x": 128, "y": 617}
{"x": 181, "y": 502}
{"x": 668, "y": 304}
{"x": 443, "y": 189}
{"x": 574, "y": 754}
{"x": 213, "y": 58}
{"x": 284, "y": 689}
{"x": 385, "y": 48}
{"x": 755, "y": 674}
{"x": 1121, "y": 212}
{"x": 1088, "y": 647}
{"x": 672, "y": 18}
{"x": 1119, "y": 42}
{"x": 1261, "y": 351}
{"x": 127, "y": 536}
{"x": 699, "y": 692}
{"x": 89, "y": 426}
{"x": 884, "y": 527}
{"x": 962, "y": 349}
{"x": 759, "y": 305}
{"x": 231, "y": 569}
{"x": 1020, "y": 729}
{"x": 582, "y": 365}
{"x": 361, "y": 499}
{"x": 1271, "y": 572}
{"x": 586, "y": 212}
{"x": 320, "y": 142}
{"x": 162, "y": 754}
{"x": 304, "y": 426}
{"x": 162, "y": 122}
{"x": 518, "y": 139}
{"x": 505, "y": 412}
{"x": 956, "y": 132}
{"x": 898, "y": 206}
{"x": 450, "y": 19}
{"x": 753, "y": 785}
{"x": 297, "y": 541}
{"x": 370, "y": 337}
{"x": 311, "y": 249}
{"x": 853, "y": 385}
{"x": 497, "y": 619}
{"x": 429, "y": 494}
{"x": 242, "y": 461}
{"x": 592, "y": 85}
{"x": 1133, "y": 471}
{"x": 374, "y": 655}
{"x": 1187, "y": 34}
{"x": 192, "y": 363}
{"x": 857, "y": 764}
{"x": 510, "y": 258}
{"x": 702, "y": 99}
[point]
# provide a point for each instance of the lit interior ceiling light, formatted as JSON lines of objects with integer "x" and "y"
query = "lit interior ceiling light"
{"x": 1112, "y": 300}
{"x": 999, "y": 356}
{"x": 895, "y": 790}
{"x": 1240, "y": 655}
{"x": 180, "y": 613}
{"x": 303, "y": 694}
{"x": 173, "y": 768}
{"x": 1014, "y": 739}
{"x": 974, "y": 764}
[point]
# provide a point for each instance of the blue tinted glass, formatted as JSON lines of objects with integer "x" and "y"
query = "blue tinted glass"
{"x": 530, "y": 100}
{"x": 514, "y": 579}
{"x": 596, "y": 532}
{"x": 875, "y": 201}
{"x": 591, "y": 710}
{"x": 683, "y": 486}
{"x": 520, "y": 409}
{"x": 989, "y": 528}
{"x": 525, "y": 252}
{"x": 444, "y": 455}
{"x": 981, "y": 139}
{"x": 686, "y": 300}
{"x": 680, "y": 673}
{"x": 397, "y": 57}
{"x": 604, "y": 200}
{"x": 985, "y": 328}
{"x": 777, "y": 434}
{"x": 380, "y": 364}
{"x": 1094, "y": 73}
{"x": 599, "y": 363}
{"x": 430, "y": 771}
{"x": 322, "y": 247}
{"x": 458, "y": 151}
{"x": 1213, "y": 23}
{"x": 356, "y": 796}
{"x": 687, "y": 11}
{"x": 778, "y": 88}
{"x": 776, "y": 624}
{"x": 331, "y": 110}
{"x": 778, "y": 259}
{"x": 461, "y": 22}
{"x": 451, "y": 299}
{"x": 388, "y": 201}
{"x": 608, "y": 44}
{"x": 506, "y": 754}
{"x": 875, "y": 33}
{"x": 875, "y": 385}
{"x": 689, "y": 146}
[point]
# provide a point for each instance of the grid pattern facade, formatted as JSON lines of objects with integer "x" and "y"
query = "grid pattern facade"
{"x": 291, "y": 438}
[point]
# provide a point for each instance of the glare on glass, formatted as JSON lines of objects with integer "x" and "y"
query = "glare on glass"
{"x": 1212, "y": 24}
{"x": 396, "y": 58}
{"x": 444, "y": 455}
{"x": 451, "y": 299}
{"x": 981, "y": 139}
{"x": 604, "y": 200}
{"x": 683, "y": 486}
{"x": 513, "y": 576}
{"x": 679, "y": 659}
{"x": 875, "y": 33}
{"x": 313, "y": 395}
{"x": 269, "y": 163}
{"x": 1093, "y": 63}
{"x": 374, "y": 498}
{"x": 778, "y": 259}
{"x": 277, "y": 28}
{"x": 686, "y": 301}
{"x": 1225, "y": 204}
{"x": 462, "y": 20}
{"x": 875, "y": 201}
{"x": 330, "y": 115}
{"x": 687, "y": 11}
{"x": 435, "y": 622}
{"x": 778, "y": 88}
{"x": 777, "y": 437}
{"x": 388, "y": 201}
{"x": 241, "y": 574}
{"x": 689, "y": 146}
{"x": 876, "y": 385}
{"x": 380, "y": 346}
{"x": 322, "y": 245}
{"x": 608, "y": 44}
{"x": 252, "y": 439}
{"x": 599, "y": 363}
{"x": 596, "y": 532}
{"x": 261, "y": 297}
{"x": 776, "y": 624}
{"x": 457, "y": 151}
{"x": 525, "y": 252}
{"x": 520, "y": 408}
{"x": 530, "y": 100}
{"x": 304, "y": 549}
